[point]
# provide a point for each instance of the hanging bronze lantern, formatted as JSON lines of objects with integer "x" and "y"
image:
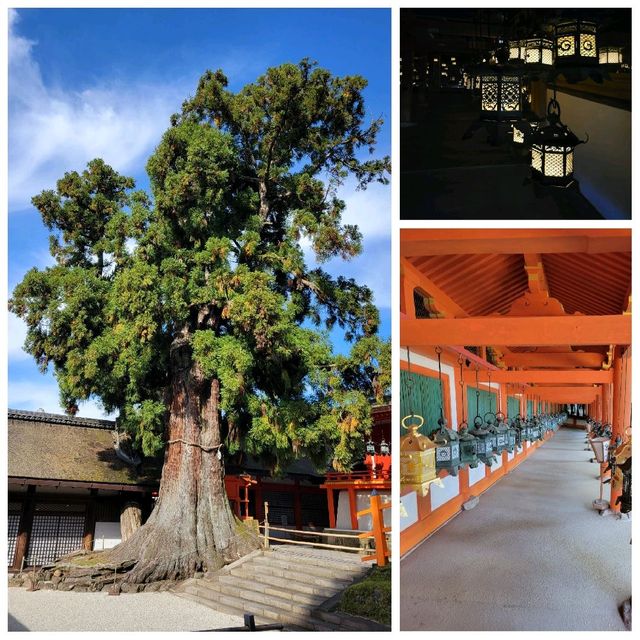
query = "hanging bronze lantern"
{"x": 499, "y": 431}
{"x": 501, "y": 93}
{"x": 446, "y": 440}
{"x": 552, "y": 150}
{"x": 539, "y": 50}
{"x": 517, "y": 50}
{"x": 417, "y": 458}
{"x": 447, "y": 448}
{"x": 575, "y": 43}
{"x": 486, "y": 441}
{"x": 468, "y": 447}
{"x": 504, "y": 425}
{"x": 610, "y": 56}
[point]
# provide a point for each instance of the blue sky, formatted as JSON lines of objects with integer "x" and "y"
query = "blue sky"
{"x": 87, "y": 83}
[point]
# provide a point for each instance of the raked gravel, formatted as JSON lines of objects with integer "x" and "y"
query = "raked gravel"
{"x": 67, "y": 611}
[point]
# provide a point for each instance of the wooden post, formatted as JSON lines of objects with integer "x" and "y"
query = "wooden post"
{"x": 353, "y": 508}
{"x": 377, "y": 525}
{"x": 332, "y": 508}
{"x": 266, "y": 525}
{"x": 297, "y": 505}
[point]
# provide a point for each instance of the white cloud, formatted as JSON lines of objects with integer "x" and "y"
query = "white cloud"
{"x": 16, "y": 333}
{"x": 56, "y": 129}
{"x": 369, "y": 209}
{"x": 42, "y": 394}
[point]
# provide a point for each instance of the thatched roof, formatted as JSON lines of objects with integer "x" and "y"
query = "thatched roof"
{"x": 55, "y": 447}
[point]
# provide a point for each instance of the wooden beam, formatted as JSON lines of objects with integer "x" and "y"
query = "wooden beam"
{"x": 570, "y": 376}
{"x": 535, "y": 273}
{"x": 437, "y": 242}
{"x": 413, "y": 276}
{"x": 551, "y": 360}
{"x": 568, "y": 395}
{"x": 509, "y": 331}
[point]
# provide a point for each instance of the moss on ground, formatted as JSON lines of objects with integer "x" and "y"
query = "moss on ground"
{"x": 371, "y": 597}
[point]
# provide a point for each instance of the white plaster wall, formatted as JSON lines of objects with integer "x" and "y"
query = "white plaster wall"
{"x": 408, "y": 510}
{"x": 432, "y": 363}
{"x": 343, "y": 517}
{"x": 603, "y": 165}
{"x": 510, "y": 455}
{"x": 450, "y": 489}
{"x": 477, "y": 474}
{"x": 497, "y": 464}
{"x": 107, "y": 535}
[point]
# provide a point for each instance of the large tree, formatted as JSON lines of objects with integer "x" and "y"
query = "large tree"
{"x": 192, "y": 311}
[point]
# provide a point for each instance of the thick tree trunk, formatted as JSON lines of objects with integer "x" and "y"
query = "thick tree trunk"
{"x": 192, "y": 527}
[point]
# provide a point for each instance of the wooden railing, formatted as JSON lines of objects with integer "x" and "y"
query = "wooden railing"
{"x": 378, "y": 533}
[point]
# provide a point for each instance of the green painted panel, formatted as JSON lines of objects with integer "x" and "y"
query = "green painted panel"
{"x": 513, "y": 406}
{"x": 487, "y": 402}
{"x": 529, "y": 407}
{"x": 420, "y": 394}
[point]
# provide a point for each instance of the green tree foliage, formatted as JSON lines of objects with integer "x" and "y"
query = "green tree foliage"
{"x": 213, "y": 258}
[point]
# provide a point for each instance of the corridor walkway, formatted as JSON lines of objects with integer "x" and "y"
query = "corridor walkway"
{"x": 533, "y": 555}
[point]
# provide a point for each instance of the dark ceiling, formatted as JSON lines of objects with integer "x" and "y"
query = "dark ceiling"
{"x": 468, "y": 32}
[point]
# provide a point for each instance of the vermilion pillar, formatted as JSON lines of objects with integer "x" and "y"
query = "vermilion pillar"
{"x": 621, "y": 409}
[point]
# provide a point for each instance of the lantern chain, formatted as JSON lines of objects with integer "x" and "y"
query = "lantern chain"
{"x": 439, "y": 353}
{"x": 461, "y": 383}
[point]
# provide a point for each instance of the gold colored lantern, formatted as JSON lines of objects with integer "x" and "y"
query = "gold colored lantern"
{"x": 417, "y": 458}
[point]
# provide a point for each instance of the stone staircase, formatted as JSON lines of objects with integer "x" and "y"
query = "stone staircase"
{"x": 293, "y": 585}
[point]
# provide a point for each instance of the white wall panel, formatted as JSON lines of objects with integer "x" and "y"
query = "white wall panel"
{"x": 449, "y": 490}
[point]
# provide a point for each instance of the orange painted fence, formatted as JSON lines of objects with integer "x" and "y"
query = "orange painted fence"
{"x": 379, "y": 531}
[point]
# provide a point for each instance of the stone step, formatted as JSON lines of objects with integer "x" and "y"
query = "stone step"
{"x": 223, "y": 608}
{"x": 259, "y": 575}
{"x": 345, "y": 574}
{"x": 241, "y": 589}
{"x": 286, "y": 593}
{"x": 271, "y": 569}
{"x": 232, "y": 600}
{"x": 346, "y": 622}
{"x": 318, "y": 557}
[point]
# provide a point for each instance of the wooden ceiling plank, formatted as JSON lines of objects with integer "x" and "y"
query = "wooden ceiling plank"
{"x": 522, "y": 331}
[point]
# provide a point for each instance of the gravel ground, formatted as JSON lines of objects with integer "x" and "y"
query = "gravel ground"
{"x": 68, "y": 611}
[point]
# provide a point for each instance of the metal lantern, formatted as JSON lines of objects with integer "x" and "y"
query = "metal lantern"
{"x": 468, "y": 446}
{"x": 517, "y": 49}
{"x": 417, "y": 458}
{"x": 600, "y": 447}
{"x": 501, "y": 92}
{"x": 384, "y": 448}
{"x": 447, "y": 448}
{"x": 498, "y": 430}
{"x": 610, "y": 56}
{"x": 485, "y": 440}
{"x": 519, "y": 131}
{"x": 539, "y": 50}
{"x": 575, "y": 42}
{"x": 504, "y": 425}
{"x": 552, "y": 150}
{"x": 370, "y": 448}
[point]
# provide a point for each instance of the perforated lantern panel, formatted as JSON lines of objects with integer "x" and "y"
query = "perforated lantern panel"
{"x": 489, "y": 93}
{"x": 443, "y": 454}
{"x": 588, "y": 45}
{"x": 510, "y": 96}
{"x": 566, "y": 46}
{"x": 553, "y": 163}
{"x": 55, "y": 534}
{"x": 536, "y": 158}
